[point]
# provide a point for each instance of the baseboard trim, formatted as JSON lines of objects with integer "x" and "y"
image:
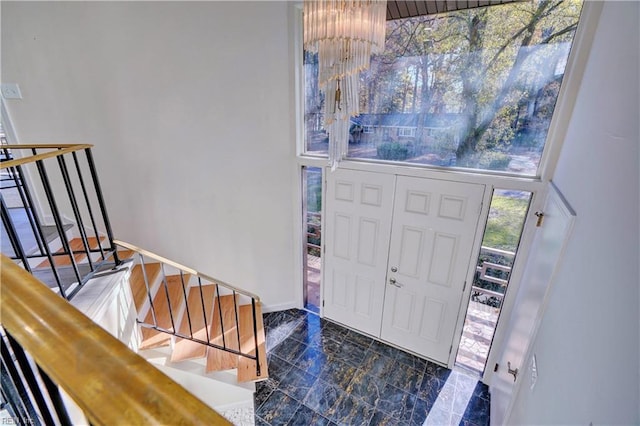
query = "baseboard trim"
{"x": 279, "y": 307}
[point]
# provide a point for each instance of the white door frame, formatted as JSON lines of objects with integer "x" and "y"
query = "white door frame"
{"x": 491, "y": 182}
{"x": 477, "y": 239}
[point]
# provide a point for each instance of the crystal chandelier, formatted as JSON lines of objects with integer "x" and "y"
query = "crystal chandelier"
{"x": 344, "y": 33}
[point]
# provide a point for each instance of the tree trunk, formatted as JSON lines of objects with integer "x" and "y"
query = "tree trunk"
{"x": 471, "y": 86}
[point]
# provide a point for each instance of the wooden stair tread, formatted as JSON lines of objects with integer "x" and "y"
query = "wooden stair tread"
{"x": 246, "y": 366}
{"x": 75, "y": 245}
{"x": 136, "y": 282}
{"x": 187, "y": 349}
{"x": 163, "y": 307}
{"x": 217, "y": 359}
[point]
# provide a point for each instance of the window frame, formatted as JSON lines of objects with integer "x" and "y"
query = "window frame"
{"x": 411, "y": 132}
{"x": 565, "y": 102}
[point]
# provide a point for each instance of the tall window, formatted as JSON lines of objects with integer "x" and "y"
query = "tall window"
{"x": 471, "y": 89}
{"x": 312, "y": 240}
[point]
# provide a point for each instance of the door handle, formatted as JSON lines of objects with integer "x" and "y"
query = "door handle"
{"x": 393, "y": 282}
{"x": 514, "y": 373}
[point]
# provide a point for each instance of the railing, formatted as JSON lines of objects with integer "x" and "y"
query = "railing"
{"x": 66, "y": 182}
{"x": 314, "y": 233}
{"x": 202, "y": 280}
{"x": 492, "y": 277}
{"x": 48, "y": 345}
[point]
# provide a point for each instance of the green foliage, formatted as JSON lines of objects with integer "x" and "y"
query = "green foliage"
{"x": 504, "y": 226}
{"x": 503, "y": 230}
{"x": 314, "y": 190}
{"x": 487, "y": 160}
{"x": 493, "y": 161}
{"x": 393, "y": 151}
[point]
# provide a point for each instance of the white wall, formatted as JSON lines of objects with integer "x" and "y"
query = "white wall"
{"x": 588, "y": 344}
{"x": 189, "y": 107}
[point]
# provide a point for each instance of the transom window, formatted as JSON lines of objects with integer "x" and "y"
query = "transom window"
{"x": 473, "y": 89}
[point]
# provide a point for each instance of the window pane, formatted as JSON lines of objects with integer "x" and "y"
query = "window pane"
{"x": 493, "y": 273}
{"x": 472, "y": 89}
{"x": 316, "y": 139}
{"x": 312, "y": 243}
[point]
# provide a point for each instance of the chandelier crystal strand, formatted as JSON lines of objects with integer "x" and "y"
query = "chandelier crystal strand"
{"x": 344, "y": 33}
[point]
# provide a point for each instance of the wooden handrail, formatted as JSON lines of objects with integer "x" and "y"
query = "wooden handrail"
{"x": 109, "y": 382}
{"x": 185, "y": 269}
{"x": 59, "y": 149}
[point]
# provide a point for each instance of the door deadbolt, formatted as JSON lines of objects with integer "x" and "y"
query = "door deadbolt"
{"x": 394, "y": 269}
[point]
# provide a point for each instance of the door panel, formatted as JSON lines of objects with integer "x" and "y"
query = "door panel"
{"x": 546, "y": 253}
{"x": 359, "y": 211}
{"x": 434, "y": 224}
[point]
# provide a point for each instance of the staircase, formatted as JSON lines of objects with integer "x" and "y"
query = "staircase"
{"x": 205, "y": 334}
{"x": 192, "y": 317}
{"x": 196, "y": 317}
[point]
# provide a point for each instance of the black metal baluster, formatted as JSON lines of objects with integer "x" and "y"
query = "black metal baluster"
{"x": 235, "y": 308}
{"x": 31, "y": 380}
{"x": 255, "y": 335}
{"x": 186, "y": 303}
{"x": 204, "y": 311}
{"x": 224, "y": 343}
{"x": 25, "y": 409}
{"x": 74, "y": 206}
{"x": 18, "y": 250}
{"x": 166, "y": 292}
{"x": 56, "y": 399}
{"x": 103, "y": 207}
{"x": 48, "y": 253}
{"x": 146, "y": 284}
{"x": 57, "y": 218}
{"x": 16, "y": 408}
{"x": 25, "y": 197}
{"x": 89, "y": 209}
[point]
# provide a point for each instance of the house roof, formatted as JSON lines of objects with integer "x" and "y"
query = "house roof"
{"x": 406, "y": 120}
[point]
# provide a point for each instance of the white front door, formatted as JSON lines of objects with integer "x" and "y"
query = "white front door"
{"x": 546, "y": 251}
{"x": 434, "y": 225}
{"x": 358, "y": 223}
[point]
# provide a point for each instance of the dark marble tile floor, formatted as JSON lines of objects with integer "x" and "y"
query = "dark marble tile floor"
{"x": 323, "y": 374}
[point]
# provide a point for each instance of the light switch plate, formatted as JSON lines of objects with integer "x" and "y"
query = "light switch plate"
{"x": 11, "y": 91}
